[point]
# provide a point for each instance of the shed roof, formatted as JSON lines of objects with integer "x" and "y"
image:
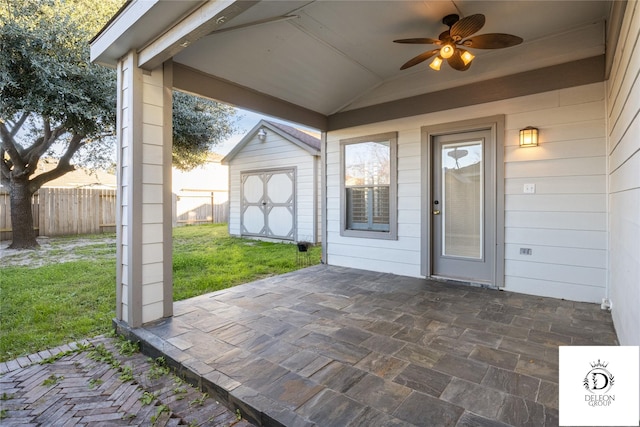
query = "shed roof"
{"x": 297, "y": 137}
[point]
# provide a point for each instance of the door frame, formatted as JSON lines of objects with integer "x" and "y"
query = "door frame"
{"x": 495, "y": 148}
{"x": 285, "y": 169}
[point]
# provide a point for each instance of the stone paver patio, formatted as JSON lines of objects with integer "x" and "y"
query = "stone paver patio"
{"x": 331, "y": 346}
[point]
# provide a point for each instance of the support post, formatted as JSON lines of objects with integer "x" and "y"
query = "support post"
{"x": 144, "y": 280}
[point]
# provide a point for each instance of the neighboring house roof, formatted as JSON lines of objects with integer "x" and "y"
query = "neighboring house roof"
{"x": 79, "y": 178}
{"x": 297, "y": 137}
{"x": 202, "y": 178}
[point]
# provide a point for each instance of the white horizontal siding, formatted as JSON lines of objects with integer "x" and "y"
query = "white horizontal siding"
{"x": 565, "y": 185}
{"x": 556, "y": 202}
{"x": 277, "y": 153}
{"x": 626, "y": 146}
{"x": 591, "y": 147}
{"x": 549, "y": 288}
{"x": 560, "y": 238}
{"x": 380, "y": 265}
{"x": 556, "y": 220}
{"x": 553, "y": 254}
{"x": 623, "y": 101}
{"x": 399, "y": 256}
{"x": 564, "y": 222}
{"x": 585, "y": 166}
{"x": 585, "y": 276}
{"x": 626, "y": 177}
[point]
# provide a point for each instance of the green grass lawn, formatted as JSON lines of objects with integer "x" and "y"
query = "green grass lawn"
{"x": 57, "y": 302}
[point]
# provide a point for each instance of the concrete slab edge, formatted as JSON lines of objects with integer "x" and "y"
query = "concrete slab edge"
{"x": 217, "y": 385}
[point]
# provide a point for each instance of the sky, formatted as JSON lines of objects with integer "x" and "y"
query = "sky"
{"x": 247, "y": 120}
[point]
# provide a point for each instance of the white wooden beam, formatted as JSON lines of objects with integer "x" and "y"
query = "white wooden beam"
{"x": 118, "y": 26}
{"x": 201, "y": 22}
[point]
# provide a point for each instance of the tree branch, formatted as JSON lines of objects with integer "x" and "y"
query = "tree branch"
{"x": 40, "y": 180}
{"x": 47, "y": 128}
{"x": 16, "y": 127}
{"x": 64, "y": 165}
{"x": 9, "y": 146}
{"x": 74, "y": 144}
{"x": 42, "y": 145}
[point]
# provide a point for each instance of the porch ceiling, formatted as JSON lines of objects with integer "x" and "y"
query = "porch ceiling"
{"x": 337, "y": 56}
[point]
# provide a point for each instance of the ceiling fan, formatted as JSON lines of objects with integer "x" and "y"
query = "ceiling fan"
{"x": 454, "y": 41}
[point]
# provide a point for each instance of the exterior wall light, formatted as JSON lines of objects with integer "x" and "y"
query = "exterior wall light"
{"x": 262, "y": 135}
{"x": 529, "y": 137}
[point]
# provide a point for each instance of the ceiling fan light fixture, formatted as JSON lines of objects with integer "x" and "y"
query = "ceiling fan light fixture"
{"x": 467, "y": 57}
{"x": 447, "y": 51}
{"x": 451, "y": 43}
{"x": 436, "y": 63}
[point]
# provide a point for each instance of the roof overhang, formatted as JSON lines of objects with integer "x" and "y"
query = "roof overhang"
{"x": 330, "y": 65}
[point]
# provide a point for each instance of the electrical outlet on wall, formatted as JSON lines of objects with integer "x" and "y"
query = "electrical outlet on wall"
{"x": 529, "y": 188}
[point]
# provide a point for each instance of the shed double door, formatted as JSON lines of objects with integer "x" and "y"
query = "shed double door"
{"x": 268, "y": 204}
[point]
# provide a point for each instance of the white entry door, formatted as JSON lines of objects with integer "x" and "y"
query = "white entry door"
{"x": 268, "y": 204}
{"x": 464, "y": 209}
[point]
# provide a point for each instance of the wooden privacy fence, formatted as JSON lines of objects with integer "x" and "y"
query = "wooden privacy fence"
{"x": 200, "y": 207}
{"x": 75, "y": 211}
{"x": 66, "y": 211}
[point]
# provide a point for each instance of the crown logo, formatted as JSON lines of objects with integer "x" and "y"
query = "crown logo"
{"x": 599, "y": 364}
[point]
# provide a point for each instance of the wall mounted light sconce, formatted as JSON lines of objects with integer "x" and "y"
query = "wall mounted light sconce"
{"x": 262, "y": 135}
{"x": 529, "y": 137}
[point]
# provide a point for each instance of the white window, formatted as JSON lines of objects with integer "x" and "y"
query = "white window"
{"x": 368, "y": 201}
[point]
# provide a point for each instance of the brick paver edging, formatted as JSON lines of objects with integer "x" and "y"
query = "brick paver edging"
{"x": 91, "y": 383}
{"x": 26, "y": 361}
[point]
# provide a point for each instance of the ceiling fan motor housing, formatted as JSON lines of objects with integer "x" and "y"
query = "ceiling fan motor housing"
{"x": 449, "y": 20}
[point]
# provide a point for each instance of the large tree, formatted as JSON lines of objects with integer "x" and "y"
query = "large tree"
{"x": 54, "y": 101}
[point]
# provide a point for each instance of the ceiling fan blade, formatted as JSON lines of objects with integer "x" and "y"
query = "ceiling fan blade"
{"x": 425, "y": 40}
{"x": 457, "y": 63}
{"x": 420, "y": 58}
{"x": 445, "y": 37}
{"x": 467, "y": 26}
{"x": 492, "y": 41}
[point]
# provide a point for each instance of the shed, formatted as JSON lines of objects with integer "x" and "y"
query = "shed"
{"x": 274, "y": 184}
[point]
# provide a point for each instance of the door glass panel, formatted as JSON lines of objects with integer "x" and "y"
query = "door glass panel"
{"x": 462, "y": 210}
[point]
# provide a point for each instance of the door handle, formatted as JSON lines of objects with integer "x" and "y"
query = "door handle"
{"x": 436, "y": 212}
